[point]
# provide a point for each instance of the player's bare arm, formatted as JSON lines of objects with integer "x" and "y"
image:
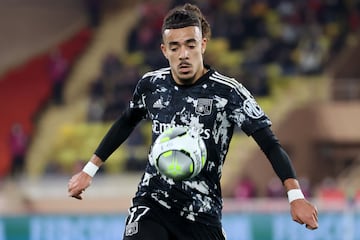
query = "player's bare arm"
{"x": 82, "y": 180}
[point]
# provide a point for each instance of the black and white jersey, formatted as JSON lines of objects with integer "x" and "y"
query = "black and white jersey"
{"x": 215, "y": 104}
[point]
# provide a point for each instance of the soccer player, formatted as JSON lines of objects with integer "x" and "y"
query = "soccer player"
{"x": 191, "y": 93}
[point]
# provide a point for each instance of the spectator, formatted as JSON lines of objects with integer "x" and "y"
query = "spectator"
{"x": 245, "y": 189}
{"x": 18, "y": 147}
{"x": 275, "y": 189}
{"x": 330, "y": 191}
{"x": 94, "y": 12}
{"x": 305, "y": 183}
{"x": 311, "y": 57}
{"x": 96, "y": 110}
{"x": 58, "y": 73}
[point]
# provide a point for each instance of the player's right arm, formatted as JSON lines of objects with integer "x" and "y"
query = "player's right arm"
{"x": 117, "y": 134}
{"x": 82, "y": 180}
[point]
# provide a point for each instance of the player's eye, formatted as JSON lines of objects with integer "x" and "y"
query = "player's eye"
{"x": 173, "y": 47}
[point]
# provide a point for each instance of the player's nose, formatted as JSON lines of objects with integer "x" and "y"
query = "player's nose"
{"x": 184, "y": 53}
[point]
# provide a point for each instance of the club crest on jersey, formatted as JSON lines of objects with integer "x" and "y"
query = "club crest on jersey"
{"x": 131, "y": 229}
{"x": 203, "y": 106}
{"x": 252, "y": 109}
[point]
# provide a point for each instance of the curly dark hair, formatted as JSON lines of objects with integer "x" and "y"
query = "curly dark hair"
{"x": 185, "y": 16}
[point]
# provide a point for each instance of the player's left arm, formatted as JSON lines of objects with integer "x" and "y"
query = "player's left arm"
{"x": 302, "y": 211}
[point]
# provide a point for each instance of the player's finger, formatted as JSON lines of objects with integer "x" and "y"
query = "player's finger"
{"x": 76, "y": 195}
{"x": 316, "y": 217}
{"x": 71, "y": 185}
{"x": 313, "y": 224}
{"x": 316, "y": 214}
{"x": 72, "y": 190}
{"x": 316, "y": 210}
{"x": 75, "y": 186}
{"x": 311, "y": 227}
{"x": 298, "y": 221}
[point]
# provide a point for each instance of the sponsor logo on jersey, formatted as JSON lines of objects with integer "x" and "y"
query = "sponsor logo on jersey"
{"x": 252, "y": 109}
{"x": 203, "y": 106}
{"x": 159, "y": 127}
{"x": 158, "y": 104}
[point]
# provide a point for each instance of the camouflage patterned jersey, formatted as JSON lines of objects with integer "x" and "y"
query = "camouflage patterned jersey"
{"x": 214, "y": 105}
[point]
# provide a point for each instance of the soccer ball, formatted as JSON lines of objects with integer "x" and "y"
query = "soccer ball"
{"x": 178, "y": 153}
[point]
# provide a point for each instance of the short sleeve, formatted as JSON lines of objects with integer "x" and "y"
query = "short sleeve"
{"x": 137, "y": 100}
{"x": 247, "y": 114}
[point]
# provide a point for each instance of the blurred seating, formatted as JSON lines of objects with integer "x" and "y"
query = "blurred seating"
{"x": 25, "y": 90}
{"x": 75, "y": 139}
{"x": 329, "y": 193}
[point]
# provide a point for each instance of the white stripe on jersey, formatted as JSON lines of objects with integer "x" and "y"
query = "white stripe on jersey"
{"x": 160, "y": 71}
{"x": 231, "y": 82}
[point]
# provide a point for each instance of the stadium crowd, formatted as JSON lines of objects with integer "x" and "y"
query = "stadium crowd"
{"x": 297, "y": 37}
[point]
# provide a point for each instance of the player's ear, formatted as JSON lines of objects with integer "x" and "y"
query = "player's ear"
{"x": 203, "y": 45}
{"x": 163, "y": 50}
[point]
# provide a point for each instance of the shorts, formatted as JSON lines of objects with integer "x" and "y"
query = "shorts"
{"x": 147, "y": 222}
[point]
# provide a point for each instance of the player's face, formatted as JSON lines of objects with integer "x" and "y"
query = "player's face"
{"x": 184, "y": 48}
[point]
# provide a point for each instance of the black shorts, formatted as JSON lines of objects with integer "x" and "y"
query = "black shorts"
{"x": 157, "y": 223}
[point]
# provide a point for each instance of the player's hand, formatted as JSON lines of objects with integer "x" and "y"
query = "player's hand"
{"x": 304, "y": 212}
{"x": 78, "y": 183}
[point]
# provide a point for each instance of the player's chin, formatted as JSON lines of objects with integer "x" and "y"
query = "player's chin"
{"x": 186, "y": 77}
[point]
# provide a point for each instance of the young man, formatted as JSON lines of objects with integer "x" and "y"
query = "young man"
{"x": 193, "y": 94}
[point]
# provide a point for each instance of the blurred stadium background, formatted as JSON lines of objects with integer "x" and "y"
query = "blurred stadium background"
{"x": 68, "y": 68}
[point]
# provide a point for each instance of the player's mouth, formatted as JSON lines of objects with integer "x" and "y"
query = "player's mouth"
{"x": 184, "y": 68}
